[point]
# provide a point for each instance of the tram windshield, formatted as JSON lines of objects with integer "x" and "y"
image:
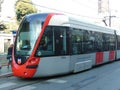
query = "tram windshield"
{"x": 27, "y": 36}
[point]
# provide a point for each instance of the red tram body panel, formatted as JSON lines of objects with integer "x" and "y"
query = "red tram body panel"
{"x": 99, "y": 57}
{"x": 112, "y": 55}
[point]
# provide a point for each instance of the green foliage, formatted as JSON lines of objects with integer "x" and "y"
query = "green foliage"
{"x": 10, "y": 26}
{"x": 24, "y": 7}
{"x": 2, "y": 27}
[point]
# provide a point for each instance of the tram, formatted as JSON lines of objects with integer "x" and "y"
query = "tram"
{"x": 49, "y": 44}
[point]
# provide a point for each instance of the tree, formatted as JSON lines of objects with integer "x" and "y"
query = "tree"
{"x": 24, "y": 7}
{"x": 2, "y": 26}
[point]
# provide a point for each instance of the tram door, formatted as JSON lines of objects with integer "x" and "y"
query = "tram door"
{"x": 78, "y": 60}
{"x": 60, "y": 46}
{"x": 76, "y": 38}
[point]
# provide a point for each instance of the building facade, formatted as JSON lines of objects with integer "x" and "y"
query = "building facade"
{"x": 5, "y": 41}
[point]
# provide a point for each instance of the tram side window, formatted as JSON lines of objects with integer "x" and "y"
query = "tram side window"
{"x": 112, "y": 42}
{"x": 109, "y": 42}
{"x": 60, "y": 40}
{"x": 53, "y": 42}
{"x": 98, "y": 41}
{"x": 45, "y": 47}
{"x": 118, "y": 43}
{"x": 105, "y": 42}
{"x": 77, "y": 37}
{"x": 88, "y": 41}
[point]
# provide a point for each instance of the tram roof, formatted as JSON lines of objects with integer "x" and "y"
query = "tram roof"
{"x": 74, "y": 22}
{"x": 77, "y": 23}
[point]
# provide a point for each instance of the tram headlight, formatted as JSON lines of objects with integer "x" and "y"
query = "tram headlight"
{"x": 33, "y": 61}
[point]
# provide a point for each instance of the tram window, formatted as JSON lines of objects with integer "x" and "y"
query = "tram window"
{"x": 77, "y": 37}
{"x": 46, "y": 44}
{"x": 53, "y": 42}
{"x": 98, "y": 41}
{"x": 60, "y": 40}
{"x": 105, "y": 42}
{"x": 118, "y": 43}
{"x": 88, "y": 41}
{"x": 112, "y": 42}
{"x": 109, "y": 42}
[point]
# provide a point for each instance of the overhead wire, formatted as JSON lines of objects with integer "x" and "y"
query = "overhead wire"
{"x": 99, "y": 18}
{"x": 60, "y": 10}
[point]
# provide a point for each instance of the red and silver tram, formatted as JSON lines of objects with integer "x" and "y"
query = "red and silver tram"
{"x": 49, "y": 44}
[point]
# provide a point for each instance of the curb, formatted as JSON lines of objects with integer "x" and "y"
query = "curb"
{"x": 6, "y": 75}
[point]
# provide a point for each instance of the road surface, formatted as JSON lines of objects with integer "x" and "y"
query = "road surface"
{"x": 105, "y": 77}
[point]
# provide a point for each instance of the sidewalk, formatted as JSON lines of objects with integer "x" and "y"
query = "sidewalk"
{"x": 4, "y": 71}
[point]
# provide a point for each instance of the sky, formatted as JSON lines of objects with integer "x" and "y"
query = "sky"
{"x": 84, "y": 8}
{"x": 72, "y": 7}
{"x": 8, "y": 8}
{"x": 87, "y": 9}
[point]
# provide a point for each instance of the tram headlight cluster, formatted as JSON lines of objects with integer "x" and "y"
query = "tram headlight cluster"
{"x": 33, "y": 61}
